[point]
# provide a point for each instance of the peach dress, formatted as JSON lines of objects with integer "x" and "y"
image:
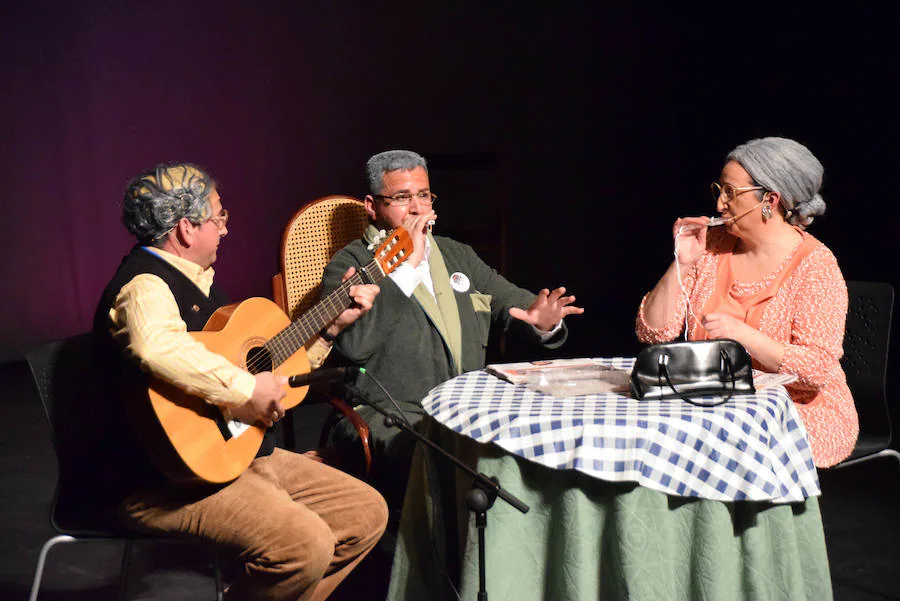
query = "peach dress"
{"x": 803, "y": 305}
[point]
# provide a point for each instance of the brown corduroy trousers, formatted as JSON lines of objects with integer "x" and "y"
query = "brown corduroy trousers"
{"x": 300, "y": 526}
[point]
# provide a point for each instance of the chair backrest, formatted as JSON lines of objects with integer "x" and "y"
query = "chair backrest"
{"x": 70, "y": 393}
{"x": 866, "y": 341}
{"x": 314, "y": 234}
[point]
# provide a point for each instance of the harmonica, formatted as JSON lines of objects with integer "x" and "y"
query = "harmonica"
{"x": 430, "y": 224}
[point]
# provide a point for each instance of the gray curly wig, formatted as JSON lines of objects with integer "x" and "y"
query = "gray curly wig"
{"x": 156, "y": 200}
{"x": 391, "y": 160}
{"x": 789, "y": 168}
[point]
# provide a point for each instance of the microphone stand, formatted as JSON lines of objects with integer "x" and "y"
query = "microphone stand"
{"x": 479, "y": 498}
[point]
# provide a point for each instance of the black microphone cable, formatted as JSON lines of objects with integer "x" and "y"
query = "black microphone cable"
{"x": 387, "y": 394}
{"x": 435, "y": 507}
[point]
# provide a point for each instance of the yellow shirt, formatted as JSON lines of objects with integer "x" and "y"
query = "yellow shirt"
{"x": 147, "y": 323}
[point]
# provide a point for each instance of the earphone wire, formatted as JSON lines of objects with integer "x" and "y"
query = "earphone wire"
{"x": 689, "y": 311}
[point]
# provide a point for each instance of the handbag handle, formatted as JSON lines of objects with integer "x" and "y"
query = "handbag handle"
{"x": 664, "y": 372}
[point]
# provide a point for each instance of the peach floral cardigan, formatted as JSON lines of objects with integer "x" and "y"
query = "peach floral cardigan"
{"x": 806, "y": 314}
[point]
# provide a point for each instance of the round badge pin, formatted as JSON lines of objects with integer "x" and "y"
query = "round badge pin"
{"x": 459, "y": 282}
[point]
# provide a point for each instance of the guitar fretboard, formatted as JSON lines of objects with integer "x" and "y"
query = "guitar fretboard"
{"x": 289, "y": 340}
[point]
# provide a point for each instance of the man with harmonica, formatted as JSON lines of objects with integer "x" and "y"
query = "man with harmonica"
{"x": 298, "y": 525}
{"x": 432, "y": 318}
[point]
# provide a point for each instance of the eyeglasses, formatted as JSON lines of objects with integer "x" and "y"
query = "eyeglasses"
{"x": 730, "y": 192}
{"x": 221, "y": 219}
{"x": 401, "y": 200}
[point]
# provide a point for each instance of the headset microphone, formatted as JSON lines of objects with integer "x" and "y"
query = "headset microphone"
{"x": 733, "y": 219}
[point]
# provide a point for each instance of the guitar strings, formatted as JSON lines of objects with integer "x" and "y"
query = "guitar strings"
{"x": 280, "y": 345}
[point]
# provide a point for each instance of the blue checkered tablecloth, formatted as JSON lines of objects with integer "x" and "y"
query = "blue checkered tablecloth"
{"x": 754, "y": 447}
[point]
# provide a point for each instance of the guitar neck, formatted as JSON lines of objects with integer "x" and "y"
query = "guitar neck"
{"x": 307, "y": 326}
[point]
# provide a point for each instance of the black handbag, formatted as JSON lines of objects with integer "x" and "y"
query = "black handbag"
{"x": 692, "y": 369}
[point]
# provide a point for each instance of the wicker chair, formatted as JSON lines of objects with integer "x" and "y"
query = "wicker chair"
{"x": 312, "y": 236}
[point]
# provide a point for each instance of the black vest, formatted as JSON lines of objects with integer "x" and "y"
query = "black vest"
{"x": 194, "y": 306}
{"x": 131, "y": 467}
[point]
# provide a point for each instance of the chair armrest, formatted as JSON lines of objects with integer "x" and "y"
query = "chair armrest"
{"x": 278, "y": 291}
{"x": 362, "y": 429}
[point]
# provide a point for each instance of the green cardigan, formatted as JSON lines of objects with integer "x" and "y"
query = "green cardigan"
{"x": 410, "y": 345}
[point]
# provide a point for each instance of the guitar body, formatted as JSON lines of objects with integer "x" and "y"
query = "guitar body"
{"x": 186, "y": 437}
{"x": 188, "y": 445}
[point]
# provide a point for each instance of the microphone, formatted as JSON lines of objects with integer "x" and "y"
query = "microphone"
{"x": 747, "y": 212}
{"x": 322, "y": 375}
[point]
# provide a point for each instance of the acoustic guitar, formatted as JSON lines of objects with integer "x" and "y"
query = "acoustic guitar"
{"x": 190, "y": 440}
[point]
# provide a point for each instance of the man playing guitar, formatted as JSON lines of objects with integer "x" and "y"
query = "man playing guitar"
{"x": 299, "y": 525}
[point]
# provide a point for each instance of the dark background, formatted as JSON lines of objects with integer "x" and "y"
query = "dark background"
{"x": 563, "y": 138}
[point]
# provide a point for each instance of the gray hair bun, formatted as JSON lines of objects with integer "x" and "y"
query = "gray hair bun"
{"x": 785, "y": 166}
{"x": 803, "y": 213}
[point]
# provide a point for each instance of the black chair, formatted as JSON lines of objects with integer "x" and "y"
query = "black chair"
{"x": 866, "y": 342}
{"x": 63, "y": 374}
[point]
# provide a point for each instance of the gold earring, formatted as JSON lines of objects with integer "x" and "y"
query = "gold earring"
{"x": 766, "y": 212}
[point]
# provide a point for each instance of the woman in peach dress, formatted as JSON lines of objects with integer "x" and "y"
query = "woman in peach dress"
{"x": 762, "y": 280}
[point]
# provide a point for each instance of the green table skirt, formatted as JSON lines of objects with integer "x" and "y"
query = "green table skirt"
{"x": 586, "y": 538}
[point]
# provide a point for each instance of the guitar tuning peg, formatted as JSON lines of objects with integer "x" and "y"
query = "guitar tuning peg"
{"x": 379, "y": 237}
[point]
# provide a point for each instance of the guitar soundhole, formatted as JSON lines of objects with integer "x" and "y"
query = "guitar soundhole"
{"x": 259, "y": 359}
